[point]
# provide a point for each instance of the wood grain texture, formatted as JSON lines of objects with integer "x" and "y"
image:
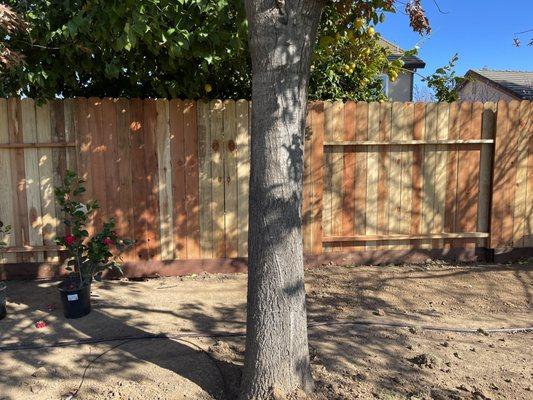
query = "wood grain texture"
{"x": 46, "y": 179}
{"x": 191, "y": 179}
{"x": 407, "y": 172}
{"x": 243, "y": 113}
{"x": 348, "y": 184}
{"x": 217, "y": 166}
{"x": 307, "y": 235}
{"x": 520, "y": 229}
{"x": 361, "y": 133}
{"x": 385, "y": 128}
{"x": 443, "y": 117}
{"x": 164, "y": 188}
{"x": 528, "y": 230}
{"x": 395, "y": 183}
{"x": 124, "y": 138}
{"x": 416, "y": 200}
{"x": 231, "y": 195}
{"x": 32, "y": 179}
{"x": 428, "y": 175}
{"x": 337, "y": 168}
{"x": 328, "y": 170}
{"x": 152, "y": 178}
{"x": 205, "y": 180}
{"x": 178, "y": 176}
{"x": 451, "y": 174}
{"x": 317, "y": 174}
{"x": 485, "y": 170}
{"x": 372, "y": 173}
{"x": 7, "y": 189}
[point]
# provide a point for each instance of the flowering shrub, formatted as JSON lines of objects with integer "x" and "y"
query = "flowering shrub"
{"x": 89, "y": 257}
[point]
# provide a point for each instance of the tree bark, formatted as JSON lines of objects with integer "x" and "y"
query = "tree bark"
{"x": 282, "y": 37}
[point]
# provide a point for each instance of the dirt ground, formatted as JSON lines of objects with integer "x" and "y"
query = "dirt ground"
{"x": 363, "y": 360}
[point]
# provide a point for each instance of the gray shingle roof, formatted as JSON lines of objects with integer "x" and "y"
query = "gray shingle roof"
{"x": 519, "y": 83}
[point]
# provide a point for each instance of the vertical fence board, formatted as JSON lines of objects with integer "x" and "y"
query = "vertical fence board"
{"x": 46, "y": 178}
{"x": 416, "y": 200}
{"x": 337, "y": 125}
{"x": 205, "y": 178}
{"x": 395, "y": 174}
{"x": 152, "y": 177}
{"x": 32, "y": 180}
{"x": 317, "y": 174}
{"x": 328, "y": 170}
{"x": 307, "y": 235}
{"x": 519, "y": 228}
{"x": 231, "y": 227}
{"x": 348, "y": 185}
{"x": 385, "y": 127}
{"x": 125, "y": 138}
{"x": 217, "y": 165}
{"x": 429, "y": 165}
{"x": 98, "y": 150}
{"x": 59, "y": 155}
{"x": 528, "y": 234}
{"x": 372, "y": 173}
{"x": 7, "y": 188}
{"x": 110, "y": 152}
{"x": 451, "y": 174}
{"x": 191, "y": 179}
{"x": 485, "y": 171}
{"x": 164, "y": 188}
{"x": 179, "y": 189}
{"x": 361, "y": 134}
{"x": 243, "y": 173}
{"x": 443, "y": 115}
{"x": 139, "y": 180}
{"x": 407, "y": 172}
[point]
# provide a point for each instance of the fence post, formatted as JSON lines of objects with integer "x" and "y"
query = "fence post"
{"x": 488, "y": 127}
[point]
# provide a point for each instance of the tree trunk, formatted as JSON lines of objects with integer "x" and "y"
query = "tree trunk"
{"x": 282, "y": 37}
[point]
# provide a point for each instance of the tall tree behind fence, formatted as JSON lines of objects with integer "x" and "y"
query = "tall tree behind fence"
{"x": 174, "y": 174}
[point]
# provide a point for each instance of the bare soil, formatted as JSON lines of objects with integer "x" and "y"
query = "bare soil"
{"x": 365, "y": 360}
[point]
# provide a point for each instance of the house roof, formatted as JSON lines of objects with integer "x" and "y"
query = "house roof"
{"x": 410, "y": 62}
{"x": 517, "y": 84}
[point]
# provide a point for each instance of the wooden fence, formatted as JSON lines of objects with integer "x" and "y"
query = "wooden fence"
{"x": 174, "y": 174}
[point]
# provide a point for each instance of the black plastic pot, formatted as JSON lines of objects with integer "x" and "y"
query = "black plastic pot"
{"x": 76, "y": 302}
{"x": 3, "y": 309}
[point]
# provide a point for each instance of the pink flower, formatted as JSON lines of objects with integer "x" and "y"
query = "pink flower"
{"x": 107, "y": 241}
{"x": 69, "y": 240}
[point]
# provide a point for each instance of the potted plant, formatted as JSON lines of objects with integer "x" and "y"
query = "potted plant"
{"x": 88, "y": 257}
{"x": 4, "y": 230}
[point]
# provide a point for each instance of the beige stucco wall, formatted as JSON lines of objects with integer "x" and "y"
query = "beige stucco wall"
{"x": 480, "y": 91}
{"x": 401, "y": 88}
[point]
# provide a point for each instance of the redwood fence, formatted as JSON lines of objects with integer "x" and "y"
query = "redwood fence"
{"x": 380, "y": 178}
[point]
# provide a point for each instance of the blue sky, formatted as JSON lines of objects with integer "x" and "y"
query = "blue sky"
{"x": 481, "y": 31}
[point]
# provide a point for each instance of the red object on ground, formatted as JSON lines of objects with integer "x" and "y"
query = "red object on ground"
{"x": 41, "y": 324}
{"x": 107, "y": 241}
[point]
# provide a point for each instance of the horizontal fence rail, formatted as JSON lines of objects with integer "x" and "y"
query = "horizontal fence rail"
{"x": 174, "y": 175}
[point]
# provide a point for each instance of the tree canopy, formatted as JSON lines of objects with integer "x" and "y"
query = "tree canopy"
{"x": 177, "y": 48}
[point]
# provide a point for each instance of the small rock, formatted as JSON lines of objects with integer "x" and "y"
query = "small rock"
{"x": 424, "y": 360}
{"x": 508, "y": 380}
{"x": 413, "y": 330}
{"x": 457, "y": 355}
{"x": 379, "y": 312}
{"x": 445, "y": 344}
{"x": 40, "y": 372}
